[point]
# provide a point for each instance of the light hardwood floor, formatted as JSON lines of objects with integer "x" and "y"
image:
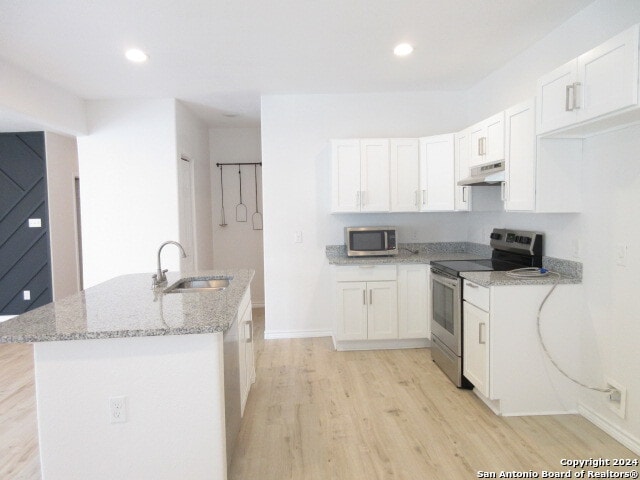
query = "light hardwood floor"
{"x": 314, "y": 413}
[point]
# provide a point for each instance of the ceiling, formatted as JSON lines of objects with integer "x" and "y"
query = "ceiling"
{"x": 219, "y": 56}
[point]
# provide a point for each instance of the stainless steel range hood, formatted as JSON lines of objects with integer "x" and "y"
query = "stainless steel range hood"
{"x": 488, "y": 174}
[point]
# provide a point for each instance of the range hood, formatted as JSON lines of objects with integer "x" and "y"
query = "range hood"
{"x": 487, "y": 174}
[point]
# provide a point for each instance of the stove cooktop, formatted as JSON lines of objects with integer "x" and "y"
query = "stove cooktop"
{"x": 454, "y": 267}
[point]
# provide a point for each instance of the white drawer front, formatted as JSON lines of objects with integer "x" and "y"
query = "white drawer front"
{"x": 476, "y": 294}
{"x": 366, "y": 273}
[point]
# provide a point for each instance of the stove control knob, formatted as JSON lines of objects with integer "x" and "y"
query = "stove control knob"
{"x": 495, "y": 236}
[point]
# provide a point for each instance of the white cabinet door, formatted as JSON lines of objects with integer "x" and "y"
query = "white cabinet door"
{"x": 493, "y": 148}
{"x": 246, "y": 365}
{"x": 413, "y": 296}
{"x": 555, "y": 100}
{"x": 352, "y": 311}
{"x": 345, "y": 155}
{"x": 462, "y": 195}
{"x": 374, "y": 175}
{"x": 487, "y": 140}
{"x": 404, "y": 174}
{"x": 608, "y": 76}
{"x": 437, "y": 173}
{"x": 382, "y": 318}
{"x": 476, "y": 347}
{"x": 519, "y": 190}
{"x": 600, "y": 81}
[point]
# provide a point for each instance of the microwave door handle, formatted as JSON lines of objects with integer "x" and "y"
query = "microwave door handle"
{"x": 386, "y": 240}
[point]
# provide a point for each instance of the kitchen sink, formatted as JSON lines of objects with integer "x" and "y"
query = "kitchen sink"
{"x": 200, "y": 284}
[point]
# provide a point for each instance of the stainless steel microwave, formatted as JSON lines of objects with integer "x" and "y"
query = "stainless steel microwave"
{"x": 370, "y": 241}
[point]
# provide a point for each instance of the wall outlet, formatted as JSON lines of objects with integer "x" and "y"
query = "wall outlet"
{"x": 617, "y": 398}
{"x": 118, "y": 409}
{"x": 575, "y": 248}
{"x": 297, "y": 237}
{"x": 621, "y": 254}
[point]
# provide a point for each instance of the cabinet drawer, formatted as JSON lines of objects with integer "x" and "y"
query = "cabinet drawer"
{"x": 476, "y": 294}
{"x": 366, "y": 273}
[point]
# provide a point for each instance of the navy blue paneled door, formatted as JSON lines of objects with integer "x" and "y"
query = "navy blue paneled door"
{"x": 25, "y": 260}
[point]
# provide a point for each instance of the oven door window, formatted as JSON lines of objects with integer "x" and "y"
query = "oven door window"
{"x": 443, "y": 306}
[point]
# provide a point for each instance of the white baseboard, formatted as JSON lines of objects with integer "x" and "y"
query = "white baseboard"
{"x": 350, "y": 345}
{"x": 616, "y": 432}
{"x": 275, "y": 335}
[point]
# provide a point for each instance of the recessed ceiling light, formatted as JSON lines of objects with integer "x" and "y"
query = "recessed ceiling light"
{"x": 136, "y": 55}
{"x": 403, "y": 49}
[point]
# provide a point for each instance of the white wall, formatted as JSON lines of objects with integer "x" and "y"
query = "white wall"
{"x": 193, "y": 142}
{"x": 237, "y": 245}
{"x": 32, "y": 99}
{"x": 62, "y": 168}
{"x": 128, "y": 172}
{"x": 611, "y": 193}
{"x": 296, "y": 130}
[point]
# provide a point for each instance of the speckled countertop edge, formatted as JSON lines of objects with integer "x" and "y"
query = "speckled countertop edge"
{"x": 126, "y": 306}
{"x": 571, "y": 272}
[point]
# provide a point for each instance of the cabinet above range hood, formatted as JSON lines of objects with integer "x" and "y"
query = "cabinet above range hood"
{"x": 488, "y": 174}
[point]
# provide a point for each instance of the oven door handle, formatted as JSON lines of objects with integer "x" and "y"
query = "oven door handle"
{"x": 446, "y": 281}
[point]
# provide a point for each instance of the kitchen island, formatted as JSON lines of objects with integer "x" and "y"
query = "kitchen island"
{"x": 130, "y": 381}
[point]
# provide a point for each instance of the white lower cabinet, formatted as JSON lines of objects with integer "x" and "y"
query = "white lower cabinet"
{"x": 413, "y": 305}
{"x": 476, "y": 349}
{"x": 381, "y": 306}
{"x": 246, "y": 362}
{"x": 367, "y": 310}
{"x": 502, "y": 354}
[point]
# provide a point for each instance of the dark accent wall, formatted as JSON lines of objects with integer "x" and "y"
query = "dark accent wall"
{"x": 25, "y": 255}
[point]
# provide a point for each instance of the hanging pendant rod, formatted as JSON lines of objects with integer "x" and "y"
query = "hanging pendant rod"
{"x": 225, "y": 164}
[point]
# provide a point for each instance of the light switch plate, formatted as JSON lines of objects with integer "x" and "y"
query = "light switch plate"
{"x": 26, "y": 294}
{"x": 35, "y": 223}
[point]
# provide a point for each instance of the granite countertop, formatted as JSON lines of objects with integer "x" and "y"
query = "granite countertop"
{"x": 571, "y": 272}
{"x": 126, "y": 306}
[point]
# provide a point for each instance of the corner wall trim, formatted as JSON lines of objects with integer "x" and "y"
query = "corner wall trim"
{"x": 274, "y": 335}
{"x": 616, "y": 432}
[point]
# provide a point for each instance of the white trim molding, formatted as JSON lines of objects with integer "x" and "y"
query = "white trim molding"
{"x": 616, "y": 432}
{"x": 275, "y": 335}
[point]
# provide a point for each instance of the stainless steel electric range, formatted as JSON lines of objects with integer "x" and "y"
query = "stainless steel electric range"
{"x": 512, "y": 249}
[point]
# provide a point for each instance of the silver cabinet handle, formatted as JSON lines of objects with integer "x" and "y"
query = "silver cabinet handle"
{"x": 576, "y": 105}
{"x": 470, "y": 285}
{"x": 386, "y": 240}
{"x": 250, "y": 339}
{"x": 424, "y": 197}
{"x": 370, "y": 297}
{"x": 480, "y": 146}
{"x": 567, "y": 103}
{"x": 503, "y": 197}
{"x": 464, "y": 194}
{"x": 481, "y": 340}
{"x": 484, "y": 145}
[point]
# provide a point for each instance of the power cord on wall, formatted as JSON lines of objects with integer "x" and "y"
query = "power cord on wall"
{"x": 534, "y": 272}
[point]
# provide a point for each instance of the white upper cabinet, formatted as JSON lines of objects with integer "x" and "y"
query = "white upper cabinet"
{"x": 437, "y": 173}
{"x": 462, "y": 195}
{"x": 404, "y": 174}
{"x": 360, "y": 175}
{"x": 345, "y": 156}
{"x": 519, "y": 189}
{"x": 599, "y": 82}
{"x": 374, "y": 175}
{"x": 487, "y": 140}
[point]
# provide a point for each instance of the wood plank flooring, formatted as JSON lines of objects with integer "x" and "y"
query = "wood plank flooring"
{"x": 314, "y": 414}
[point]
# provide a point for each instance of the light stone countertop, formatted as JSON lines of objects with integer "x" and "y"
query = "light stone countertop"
{"x": 432, "y": 252}
{"x": 126, "y": 306}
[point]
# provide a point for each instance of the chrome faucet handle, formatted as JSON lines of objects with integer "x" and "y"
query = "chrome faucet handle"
{"x": 154, "y": 281}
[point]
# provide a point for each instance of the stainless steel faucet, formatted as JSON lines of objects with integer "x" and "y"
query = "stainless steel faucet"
{"x": 159, "y": 277}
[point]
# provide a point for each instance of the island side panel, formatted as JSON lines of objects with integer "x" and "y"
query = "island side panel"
{"x": 174, "y": 389}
